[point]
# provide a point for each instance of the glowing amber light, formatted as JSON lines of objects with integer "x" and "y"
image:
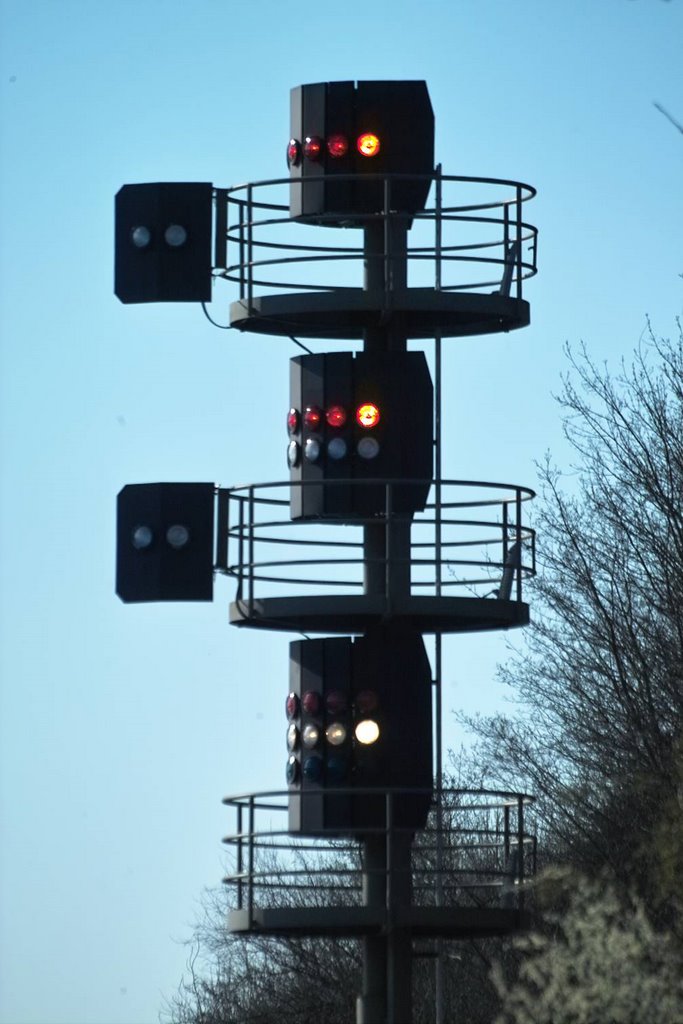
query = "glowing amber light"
{"x": 367, "y": 415}
{"x": 368, "y": 144}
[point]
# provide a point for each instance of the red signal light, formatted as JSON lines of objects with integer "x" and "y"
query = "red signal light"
{"x": 366, "y": 701}
{"x": 367, "y": 415}
{"x": 337, "y": 146}
{"x": 312, "y": 417}
{"x": 313, "y": 147}
{"x": 311, "y": 702}
{"x": 292, "y": 706}
{"x": 336, "y": 416}
{"x": 293, "y": 419}
{"x": 336, "y": 702}
{"x": 368, "y": 144}
{"x": 293, "y": 153}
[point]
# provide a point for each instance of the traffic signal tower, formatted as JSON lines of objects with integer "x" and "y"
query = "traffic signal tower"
{"x": 363, "y": 451}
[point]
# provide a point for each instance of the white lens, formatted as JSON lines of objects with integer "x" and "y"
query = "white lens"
{"x": 368, "y": 448}
{"x": 141, "y": 237}
{"x": 336, "y": 734}
{"x": 293, "y": 454}
{"x": 311, "y": 735}
{"x": 367, "y": 731}
{"x": 177, "y": 536}
{"x": 312, "y": 449}
{"x": 175, "y": 235}
{"x": 337, "y": 449}
{"x": 292, "y": 737}
{"x": 142, "y": 537}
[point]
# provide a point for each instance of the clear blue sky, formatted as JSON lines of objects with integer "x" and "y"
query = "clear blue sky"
{"x": 123, "y": 727}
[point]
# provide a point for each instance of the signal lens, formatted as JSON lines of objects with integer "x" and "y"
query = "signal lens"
{"x": 336, "y": 415}
{"x": 310, "y": 736}
{"x": 312, "y": 449}
{"x": 292, "y": 770}
{"x": 293, "y": 421}
{"x": 337, "y": 769}
{"x": 293, "y": 153}
{"x": 313, "y": 147}
{"x": 312, "y": 417}
{"x": 142, "y": 537}
{"x": 367, "y": 415}
{"x": 337, "y": 448}
{"x": 368, "y": 447}
{"x": 335, "y": 734}
{"x": 292, "y": 737}
{"x": 294, "y": 454}
{"x": 313, "y": 769}
{"x": 337, "y": 145}
{"x": 366, "y": 701}
{"x": 367, "y": 732}
{"x": 141, "y": 237}
{"x": 177, "y": 536}
{"x": 311, "y": 702}
{"x": 336, "y": 701}
{"x": 292, "y": 705}
{"x": 368, "y": 144}
{"x": 175, "y": 236}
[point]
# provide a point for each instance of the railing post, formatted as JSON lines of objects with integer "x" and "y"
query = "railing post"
{"x": 520, "y": 854}
{"x": 241, "y": 248}
{"x": 518, "y": 540}
{"x": 250, "y": 593}
{"x": 240, "y": 549}
{"x": 240, "y": 856}
{"x": 250, "y": 249}
{"x": 250, "y": 860}
{"x": 505, "y": 532}
{"x": 506, "y": 832}
{"x": 518, "y": 243}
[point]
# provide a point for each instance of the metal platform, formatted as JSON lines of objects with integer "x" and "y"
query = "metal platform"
{"x": 421, "y": 922}
{"x": 469, "y": 871}
{"x": 339, "y": 614}
{"x": 348, "y": 314}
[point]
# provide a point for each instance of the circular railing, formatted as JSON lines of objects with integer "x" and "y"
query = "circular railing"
{"x": 470, "y": 540}
{"x": 476, "y": 849}
{"x": 471, "y": 236}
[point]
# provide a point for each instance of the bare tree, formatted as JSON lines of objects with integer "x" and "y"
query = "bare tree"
{"x": 598, "y": 684}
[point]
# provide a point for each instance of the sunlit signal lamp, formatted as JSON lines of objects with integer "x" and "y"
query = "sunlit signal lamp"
{"x": 343, "y": 131}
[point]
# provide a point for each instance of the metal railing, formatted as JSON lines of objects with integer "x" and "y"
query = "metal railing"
{"x": 472, "y": 238}
{"x": 473, "y": 542}
{"x": 476, "y": 850}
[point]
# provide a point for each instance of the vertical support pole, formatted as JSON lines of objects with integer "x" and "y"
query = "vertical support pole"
{"x": 440, "y": 963}
{"x": 386, "y": 996}
{"x": 371, "y": 1005}
{"x": 399, "y": 938}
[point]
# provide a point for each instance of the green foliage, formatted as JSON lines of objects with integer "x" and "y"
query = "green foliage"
{"x": 600, "y": 962}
